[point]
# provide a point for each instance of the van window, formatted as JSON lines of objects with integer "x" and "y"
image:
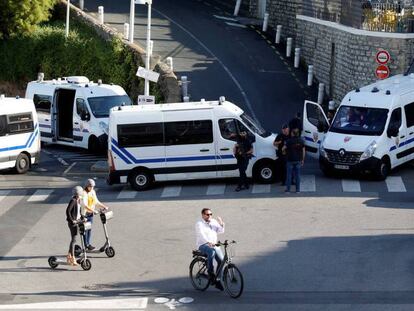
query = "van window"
{"x": 20, "y": 123}
{"x": 315, "y": 116}
{"x": 100, "y": 106}
{"x": 81, "y": 106}
{"x": 254, "y": 126}
{"x": 3, "y": 125}
{"x": 409, "y": 114}
{"x": 42, "y": 102}
{"x": 229, "y": 128}
{"x": 395, "y": 120}
{"x": 140, "y": 135}
{"x": 189, "y": 132}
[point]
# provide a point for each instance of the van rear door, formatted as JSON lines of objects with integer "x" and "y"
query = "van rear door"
{"x": 315, "y": 125}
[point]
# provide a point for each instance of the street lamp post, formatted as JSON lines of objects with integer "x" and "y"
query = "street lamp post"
{"x": 67, "y": 19}
{"x": 131, "y": 21}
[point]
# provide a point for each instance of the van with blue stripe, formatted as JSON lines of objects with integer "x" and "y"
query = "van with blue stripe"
{"x": 19, "y": 134}
{"x": 181, "y": 141}
{"x": 372, "y": 131}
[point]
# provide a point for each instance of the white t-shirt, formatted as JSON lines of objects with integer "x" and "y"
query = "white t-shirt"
{"x": 206, "y": 232}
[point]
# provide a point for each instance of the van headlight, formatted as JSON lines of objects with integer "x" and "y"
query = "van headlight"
{"x": 104, "y": 127}
{"x": 322, "y": 151}
{"x": 369, "y": 152}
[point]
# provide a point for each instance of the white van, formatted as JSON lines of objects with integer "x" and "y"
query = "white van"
{"x": 372, "y": 131}
{"x": 19, "y": 134}
{"x": 183, "y": 141}
{"x": 74, "y": 111}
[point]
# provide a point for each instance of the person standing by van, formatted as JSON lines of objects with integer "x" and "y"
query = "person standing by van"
{"x": 295, "y": 156}
{"x": 243, "y": 151}
{"x": 296, "y": 123}
{"x": 281, "y": 156}
{"x": 72, "y": 217}
{"x": 90, "y": 202}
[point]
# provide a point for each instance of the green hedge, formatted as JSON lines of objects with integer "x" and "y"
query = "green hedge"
{"x": 83, "y": 53}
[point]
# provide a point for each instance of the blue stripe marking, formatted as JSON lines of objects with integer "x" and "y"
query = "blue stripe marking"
{"x": 311, "y": 139}
{"x": 45, "y": 125}
{"x": 34, "y": 137}
{"x": 29, "y": 141}
{"x": 195, "y": 158}
{"x": 402, "y": 144}
{"x": 114, "y": 149}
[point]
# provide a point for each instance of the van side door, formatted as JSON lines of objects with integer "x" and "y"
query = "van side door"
{"x": 396, "y": 135}
{"x": 409, "y": 117}
{"x": 43, "y": 105}
{"x": 315, "y": 126}
{"x": 81, "y": 117}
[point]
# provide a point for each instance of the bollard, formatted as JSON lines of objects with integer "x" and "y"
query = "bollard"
{"x": 184, "y": 86}
{"x": 81, "y": 4}
{"x": 297, "y": 57}
{"x": 101, "y": 14}
{"x": 186, "y": 99}
{"x": 170, "y": 63}
{"x": 265, "y": 22}
{"x": 310, "y": 75}
{"x": 126, "y": 31}
{"x": 278, "y": 33}
{"x": 289, "y": 47}
{"x": 237, "y": 8}
{"x": 321, "y": 93}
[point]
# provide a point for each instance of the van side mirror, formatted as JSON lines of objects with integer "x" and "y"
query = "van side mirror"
{"x": 392, "y": 132}
{"x": 85, "y": 116}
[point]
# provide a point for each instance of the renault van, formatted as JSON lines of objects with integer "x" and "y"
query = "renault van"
{"x": 19, "y": 134}
{"x": 74, "y": 111}
{"x": 181, "y": 141}
{"x": 372, "y": 131}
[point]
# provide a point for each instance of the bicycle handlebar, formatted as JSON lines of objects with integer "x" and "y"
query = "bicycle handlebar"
{"x": 225, "y": 243}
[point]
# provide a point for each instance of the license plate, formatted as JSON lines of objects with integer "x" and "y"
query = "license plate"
{"x": 341, "y": 167}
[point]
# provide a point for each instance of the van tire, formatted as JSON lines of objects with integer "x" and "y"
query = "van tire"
{"x": 94, "y": 145}
{"x": 264, "y": 172}
{"x": 382, "y": 170}
{"x": 22, "y": 163}
{"x": 141, "y": 180}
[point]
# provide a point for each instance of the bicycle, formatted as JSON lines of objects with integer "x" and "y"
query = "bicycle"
{"x": 232, "y": 276}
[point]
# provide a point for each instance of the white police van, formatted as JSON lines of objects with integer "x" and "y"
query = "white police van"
{"x": 372, "y": 131}
{"x": 74, "y": 111}
{"x": 183, "y": 141}
{"x": 19, "y": 134}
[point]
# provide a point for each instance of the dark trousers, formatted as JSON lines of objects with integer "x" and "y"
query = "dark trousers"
{"x": 281, "y": 168}
{"x": 242, "y": 164}
{"x": 73, "y": 232}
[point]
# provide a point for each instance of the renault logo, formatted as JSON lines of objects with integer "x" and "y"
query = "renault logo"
{"x": 342, "y": 152}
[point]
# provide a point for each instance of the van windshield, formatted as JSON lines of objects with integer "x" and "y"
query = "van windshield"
{"x": 100, "y": 106}
{"x": 359, "y": 121}
{"x": 256, "y": 128}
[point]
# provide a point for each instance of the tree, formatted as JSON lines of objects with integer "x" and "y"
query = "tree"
{"x": 21, "y": 16}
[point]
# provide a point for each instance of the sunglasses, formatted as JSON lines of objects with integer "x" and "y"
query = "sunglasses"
{"x": 209, "y": 214}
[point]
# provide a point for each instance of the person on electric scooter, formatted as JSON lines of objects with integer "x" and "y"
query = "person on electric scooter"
{"x": 89, "y": 203}
{"x": 73, "y": 215}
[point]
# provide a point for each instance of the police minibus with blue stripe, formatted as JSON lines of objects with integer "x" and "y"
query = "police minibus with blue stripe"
{"x": 19, "y": 134}
{"x": 180, "y": 141}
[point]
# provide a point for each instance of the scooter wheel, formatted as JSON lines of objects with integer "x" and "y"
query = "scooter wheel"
{"x": 86, "y": 265}
{"x": 110, "y": 252}
{"x": 52, "y": 262}
{"x": 78, "y": 250}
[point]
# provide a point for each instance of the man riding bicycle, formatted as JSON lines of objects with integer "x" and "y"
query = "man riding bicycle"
{"x": 206, "y": 237}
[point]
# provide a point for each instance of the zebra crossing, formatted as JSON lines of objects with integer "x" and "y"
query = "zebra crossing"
{"x": 66, "y": 156}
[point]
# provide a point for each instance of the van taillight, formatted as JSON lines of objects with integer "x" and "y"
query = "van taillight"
{"x": 111, "y": 161}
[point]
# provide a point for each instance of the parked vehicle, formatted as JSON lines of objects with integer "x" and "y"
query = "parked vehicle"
{"x": 19, "y": 134}
{"x": 372, "y": 131}
{"x": 74, "y": 111}
{"x": 180, "y": 141}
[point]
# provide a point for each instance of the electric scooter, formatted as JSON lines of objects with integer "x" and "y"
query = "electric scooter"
{"x": 107, "y": 248}
{"x": 84, "y": 262}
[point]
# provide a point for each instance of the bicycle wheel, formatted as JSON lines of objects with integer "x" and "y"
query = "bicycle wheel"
{"x": 198, "y": 274}
{"x": 233, "y": 281}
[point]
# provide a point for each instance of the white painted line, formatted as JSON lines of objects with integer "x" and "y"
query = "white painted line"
{"x": 395, "y": 184}
{"x": 127, "y": 193}
{"x": 4, "y": 207}
{"x": 349, "y": 185}
{"x": 47, "y": 152}
{"x": 225, "y": 18}
{"x": 259, "y": 188}
{"x": 69, "y": 168}
{"x": 40, "y": 195}
{"x": 236, "y": 25}
{"x": 216, "y": 189}
{"x": 103, "y": 304}
{"x": 307, "y": 183}
{"x": 171, "y": 191}
{"x": 4, "y": 194}
{"x": 62, "y": 161}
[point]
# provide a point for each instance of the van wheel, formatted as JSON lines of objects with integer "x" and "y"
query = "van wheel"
{"x": 382, "y": 170}
{"x": 94, "y": 146}
{"x": 22, "y": 163}
{"x": 141, "y": 180}
{"x": 264, "y": 172}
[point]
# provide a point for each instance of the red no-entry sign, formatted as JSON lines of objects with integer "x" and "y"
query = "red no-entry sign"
{"x": 382, "y": 72}
{"x": 382, "y": 57}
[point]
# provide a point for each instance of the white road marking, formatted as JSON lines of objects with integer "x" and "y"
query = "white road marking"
{"x": 102, "y": 304}
{"x": 395, "y": 184}
{"x": 351, "y": 185}
{"x": 307, "y": 183}
{"x": 127, "y": 193}
{"x": 225, "y": 18}
{"x": 4, "y": 208}
{"x": 69, "y": 168}
{"x": 236, "y": 25}
{"x": 62, "y": 161}
{"x": 216, "y": 189}
{"x": 40, "y": 195}
{"x": 259, "y": 188}
{"x": 171, "y": 191}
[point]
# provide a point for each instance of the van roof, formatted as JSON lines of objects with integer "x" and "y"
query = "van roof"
{"x": 15, "y": 105}
{"x": 382, "y": 93}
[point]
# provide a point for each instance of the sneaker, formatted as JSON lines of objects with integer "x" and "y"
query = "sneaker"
{"x": 90, "y": 248}
{"x": 238, "y": 189}
{"x": 219, "y": 286}
{"x": 246, "y": 187}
